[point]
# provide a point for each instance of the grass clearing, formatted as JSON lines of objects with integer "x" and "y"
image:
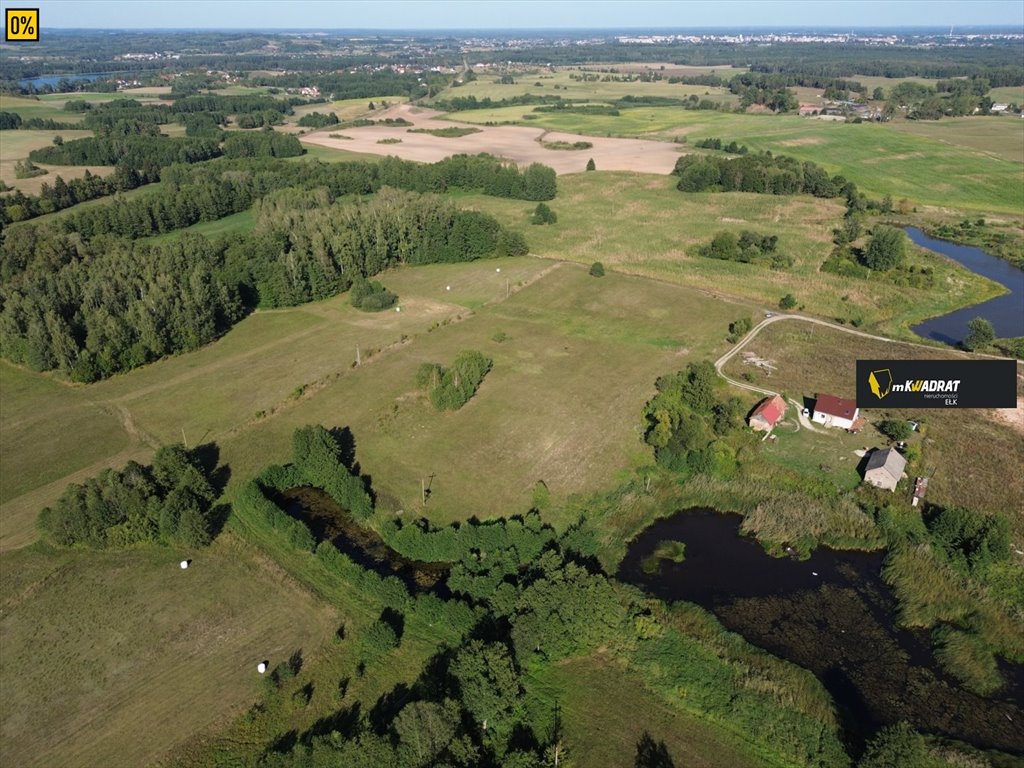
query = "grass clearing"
{"x": 15, "y": 146}
{"x": 596, "y": 692}
{"x": 137, "y": 655}
{"x": 236, "y": 223}
{"x": 29, "y": 108}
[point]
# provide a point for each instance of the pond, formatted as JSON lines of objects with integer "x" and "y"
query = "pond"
{"x": 53, "y": 80}
{"x": 1006, "y": 312}
{"x": 833, "y": 615}
{"x": 327, "y": 521}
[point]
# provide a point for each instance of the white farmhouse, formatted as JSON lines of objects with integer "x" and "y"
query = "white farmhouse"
{"x": 833, "y": 411}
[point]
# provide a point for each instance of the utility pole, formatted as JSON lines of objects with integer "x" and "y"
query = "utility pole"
{"x": 423, "y": 491}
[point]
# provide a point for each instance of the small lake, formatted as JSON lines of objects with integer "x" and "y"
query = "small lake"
{"x": 53, "y": 80}
{"x": 327, "y": 521}
{"x": 1006, "y": 313}
{"x": 831, "y": 614}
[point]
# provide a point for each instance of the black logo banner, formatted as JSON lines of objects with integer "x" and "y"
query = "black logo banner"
{"x": 936, "y": 384}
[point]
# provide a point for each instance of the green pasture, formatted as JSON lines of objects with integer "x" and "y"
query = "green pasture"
{"x": 29, "y": 108}
{"x": 998, "y": 137}
{"x": 881, "y": 159}
{"x": 31, "y": 455}
{"x": 641, "y": 224}
{"x": 575, "y": 359}
{"x": 1008, "y": 94}
{"x": 594, "y": 692}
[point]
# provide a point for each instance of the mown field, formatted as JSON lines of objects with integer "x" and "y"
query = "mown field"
{"x": 345, "y": 109}
{"x": 973, "y": 456}
{"x": 577, "y": 361}
{"x": 948, "y": 173}
{"x": 17, "y": 144}
{"x": 115, "y": 658}
{"x": 642, "y": 225}
{"x": 999, "y": 137}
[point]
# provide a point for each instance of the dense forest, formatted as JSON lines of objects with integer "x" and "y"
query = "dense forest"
{"x": 209, "y": 191}
{"x": 94, "y": 307}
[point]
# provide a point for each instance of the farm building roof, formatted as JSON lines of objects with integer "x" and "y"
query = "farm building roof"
{"x": 836, "y": 406}
{"x": 771, "y": 409}
{"x": 888, "y": 459}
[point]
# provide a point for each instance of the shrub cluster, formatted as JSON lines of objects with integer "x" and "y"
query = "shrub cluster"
{"x": 451, "y": 388}
{"x": 168, "y": 502}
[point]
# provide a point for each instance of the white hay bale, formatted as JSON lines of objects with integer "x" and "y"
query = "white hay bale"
{"x": 261, "y": 667}
{"x": 184, "y": 564}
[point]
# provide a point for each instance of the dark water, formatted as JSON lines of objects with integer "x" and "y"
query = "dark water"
{"x": 328, "y": 521}
{"x": 1006, "y": 313}
{"x": 833, "y": 615}
{"x": 53, "y": 80}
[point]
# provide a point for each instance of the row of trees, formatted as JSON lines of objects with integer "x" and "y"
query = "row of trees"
{"x": 761, "y": 172}
{"x": 169, "y": 501}
{"x": 143, "y": 153}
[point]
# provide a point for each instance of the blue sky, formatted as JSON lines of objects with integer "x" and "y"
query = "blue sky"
{"x": 519, "y": 14}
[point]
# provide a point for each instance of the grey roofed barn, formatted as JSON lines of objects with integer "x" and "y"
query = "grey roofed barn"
{"x": 884, "y": 468}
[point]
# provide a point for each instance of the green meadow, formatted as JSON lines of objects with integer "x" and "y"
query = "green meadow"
{"x": 641, "y": 224}
{"x": 549, "y": 327}
{"x": 880, "y": 158}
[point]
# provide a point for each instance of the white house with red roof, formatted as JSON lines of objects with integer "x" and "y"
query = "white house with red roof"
{"x": 768, "y": 413}
{"x": 833, "y": 411}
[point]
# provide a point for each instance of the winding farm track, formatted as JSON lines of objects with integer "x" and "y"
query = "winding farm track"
{"x": 720, "y": 362}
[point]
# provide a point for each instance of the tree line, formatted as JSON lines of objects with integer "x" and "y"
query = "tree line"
{"x": 758, "y": 172}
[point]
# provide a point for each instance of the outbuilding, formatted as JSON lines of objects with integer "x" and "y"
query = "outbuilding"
{"x": 884, "y": 468}
{"x": 767, "y": 414}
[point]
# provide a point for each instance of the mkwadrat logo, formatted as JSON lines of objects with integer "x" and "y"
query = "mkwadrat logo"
{"x": 880, "y": 382}
{"x": 936, "y": 383}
